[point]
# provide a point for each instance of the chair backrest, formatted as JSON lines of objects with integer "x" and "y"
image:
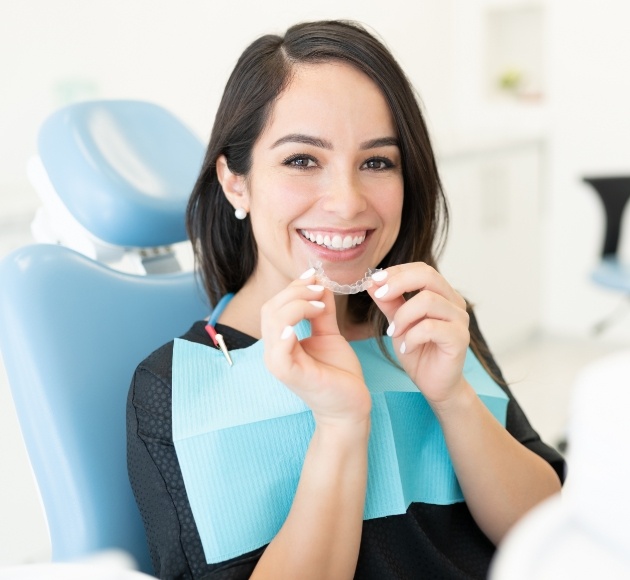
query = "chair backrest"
{"x": 72, "y": 332}
{"x": 614, "y": 193}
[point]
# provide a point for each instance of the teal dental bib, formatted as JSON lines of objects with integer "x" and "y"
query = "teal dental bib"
{"x": 241, "y": 436}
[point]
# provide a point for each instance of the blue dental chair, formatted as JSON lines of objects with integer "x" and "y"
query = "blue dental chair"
{"x": 72, "y": 329}
{"x": 612, "y": 272}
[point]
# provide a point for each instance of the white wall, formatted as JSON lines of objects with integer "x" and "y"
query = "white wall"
{"x": 588, "y": 52}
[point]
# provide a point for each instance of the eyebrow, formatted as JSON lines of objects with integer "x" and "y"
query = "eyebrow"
{"x": 324, "y": 144}
{"x": 380, "y": 142}
{"x": 306, "y": 139}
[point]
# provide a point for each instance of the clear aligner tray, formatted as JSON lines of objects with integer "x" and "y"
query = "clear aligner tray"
{"x": 358, "y": 286}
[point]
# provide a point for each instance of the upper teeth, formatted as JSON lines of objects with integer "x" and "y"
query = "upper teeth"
{"x": 335, "y": 242}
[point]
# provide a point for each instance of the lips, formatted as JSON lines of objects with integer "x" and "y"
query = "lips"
{"x": 334, "y": 241}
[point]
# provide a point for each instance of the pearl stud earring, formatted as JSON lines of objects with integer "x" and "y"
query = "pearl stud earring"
{"x": 240, "y": 213}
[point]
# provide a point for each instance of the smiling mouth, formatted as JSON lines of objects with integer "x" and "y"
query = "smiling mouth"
{"x": 334, "y": 241}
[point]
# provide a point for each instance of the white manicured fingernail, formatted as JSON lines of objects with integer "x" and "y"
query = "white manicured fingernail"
{"x": 315, "y": 287}
{"x": 379, "y": 276}
{"x": 307, "y": 274}
{"x": 287, "y": 332}
{"x": 381, "y": 291}
{"x": 403, "y": 348}
{"x": 390, "y": 329}
{"x": 317, "y": 303}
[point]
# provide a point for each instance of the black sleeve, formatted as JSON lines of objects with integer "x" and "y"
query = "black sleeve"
{"x": 516, "y": 421}
{"x": 158, "y": 485}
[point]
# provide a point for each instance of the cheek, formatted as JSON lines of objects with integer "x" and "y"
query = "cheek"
{"x": 392, "y": 215}
{"x": 275, "y": 208}
{"x": 279, "y": 188}
{"x": 391, "y": 204}
{"x": 284, "y": 199}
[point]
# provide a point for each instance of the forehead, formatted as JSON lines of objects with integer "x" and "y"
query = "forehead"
{"x": 330, "y": 97}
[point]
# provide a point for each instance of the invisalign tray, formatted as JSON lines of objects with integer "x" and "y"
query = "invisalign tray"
{"x": 358, "y": 286}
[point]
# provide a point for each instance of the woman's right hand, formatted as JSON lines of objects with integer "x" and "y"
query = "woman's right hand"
{"x": 323, "y": 370}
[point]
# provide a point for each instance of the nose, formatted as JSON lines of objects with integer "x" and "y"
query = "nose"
{"x": 345, "y": 197}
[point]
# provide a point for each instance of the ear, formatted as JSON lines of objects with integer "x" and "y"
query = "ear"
{"x": 234, "y": 186}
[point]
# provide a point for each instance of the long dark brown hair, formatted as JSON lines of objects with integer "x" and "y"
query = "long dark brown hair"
{"x": 225, "y": 248}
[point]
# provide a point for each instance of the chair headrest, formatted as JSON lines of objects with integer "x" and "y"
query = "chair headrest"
{"x": 124, "y": 169}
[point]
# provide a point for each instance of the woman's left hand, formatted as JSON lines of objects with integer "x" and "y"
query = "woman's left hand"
{"x": 429, "y": 331}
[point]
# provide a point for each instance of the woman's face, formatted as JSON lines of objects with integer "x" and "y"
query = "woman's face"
{"x": 326, "y": 179}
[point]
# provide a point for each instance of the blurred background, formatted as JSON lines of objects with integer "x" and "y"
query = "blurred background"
{"x": 523, "y": 98}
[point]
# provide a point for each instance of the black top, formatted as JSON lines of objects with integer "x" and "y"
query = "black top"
{"x": 428, "y": 541}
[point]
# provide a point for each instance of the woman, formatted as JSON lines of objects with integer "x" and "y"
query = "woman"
{"x": 319, "y": 156}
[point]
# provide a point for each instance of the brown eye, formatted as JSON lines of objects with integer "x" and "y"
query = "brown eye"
{"x": 378, "y": 164}
{"x": 300, "y": 161}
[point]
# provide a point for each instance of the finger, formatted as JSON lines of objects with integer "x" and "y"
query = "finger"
{"x": 282, "y": 349}
{"x": 295, "y": 290}
{"x": 290, "y": 307}
{"x": 418, "y": 276}
{"x": 426, "y": 304}
{"x": 387, "y": 303}
{"x": 325, "y": 323}
{"x": 301, "y": 299}
{"x": 450, "y": 338}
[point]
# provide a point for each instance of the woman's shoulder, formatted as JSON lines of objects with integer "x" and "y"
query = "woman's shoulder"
{"x": 159, "y": 363}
